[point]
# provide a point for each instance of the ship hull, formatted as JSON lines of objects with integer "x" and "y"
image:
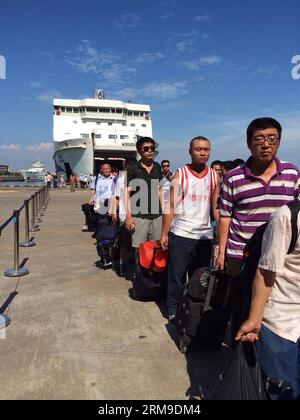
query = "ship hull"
{"x": 74, "y": 156}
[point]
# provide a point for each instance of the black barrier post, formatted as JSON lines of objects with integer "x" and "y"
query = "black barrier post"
{"x": 48, "y": 195}
{"x": 4, "y": 321}
{"x": 34, "y": 227}
{"x": 44, "y": 198}
{"x": 37, "y": 214}
{"x": 27, "y": 242}
{"x": 41, "y": 202}
{"x": 17, "y": 271}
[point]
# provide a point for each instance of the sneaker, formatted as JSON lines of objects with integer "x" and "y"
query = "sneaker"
{"x": 85, "y": 228}
{"x": 172, "y": 319}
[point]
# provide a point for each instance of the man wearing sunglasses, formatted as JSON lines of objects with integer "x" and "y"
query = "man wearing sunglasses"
{"x": 144, "y": 195}
{"x": 249, "y": 195}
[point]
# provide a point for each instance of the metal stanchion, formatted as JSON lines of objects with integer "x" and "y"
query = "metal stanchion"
{"x": 4, "y": 321}
{"x": 41, "y": 202}
{"x": 17, "y": 271}
{"x": 34, "y": 227}
{"x": 37, "y": 215}
{"x": 44, "y": 199}
{"x": 48, "y": 194}
{"x": 27, "y": 242}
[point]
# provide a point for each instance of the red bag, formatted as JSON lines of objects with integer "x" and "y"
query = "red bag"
{"x": 152, "y": 256}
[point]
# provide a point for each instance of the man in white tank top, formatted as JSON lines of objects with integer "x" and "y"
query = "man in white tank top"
{"x": 186, "y": 221}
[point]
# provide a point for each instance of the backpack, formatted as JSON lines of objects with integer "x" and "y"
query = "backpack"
{"x": 151, "y": 256}
{"x": 252, "y": 250}
{"x": 150, "y": 278}
{"x": 105, "y": 229}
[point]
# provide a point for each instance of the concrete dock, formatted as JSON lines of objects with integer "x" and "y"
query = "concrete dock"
{"x": 74, "y": 332}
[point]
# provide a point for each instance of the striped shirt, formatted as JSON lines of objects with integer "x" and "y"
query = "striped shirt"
{"x": 249, "y": 201}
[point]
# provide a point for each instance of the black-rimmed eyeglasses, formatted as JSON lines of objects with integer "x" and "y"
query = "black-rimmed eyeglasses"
{"x": 272, "y": 139}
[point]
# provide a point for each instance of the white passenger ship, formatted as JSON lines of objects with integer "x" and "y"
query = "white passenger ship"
{"x": 88, "y": 131}
{"x": 35, "y": 173}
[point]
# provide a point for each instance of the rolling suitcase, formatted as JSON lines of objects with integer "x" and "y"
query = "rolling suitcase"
{"x": 204, "y": 310}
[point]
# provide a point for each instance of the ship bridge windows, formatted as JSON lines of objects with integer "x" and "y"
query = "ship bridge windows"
{"x": 106, "y": 110}
{"x": 109, "y": 123}
{"x": 75, "y": 109}
{"x": 92, "y": 109}
{"x": 69, "y": 109}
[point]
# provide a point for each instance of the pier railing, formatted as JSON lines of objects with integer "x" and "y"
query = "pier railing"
{"x": 37, "y": 203}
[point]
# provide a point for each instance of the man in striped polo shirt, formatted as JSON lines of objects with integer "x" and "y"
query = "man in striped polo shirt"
{"x": 249, "y": 195}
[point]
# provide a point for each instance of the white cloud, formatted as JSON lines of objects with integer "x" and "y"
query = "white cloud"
{"x": 10, "y": 147}
{"x": 202, "y": 18}
{"x": 110, "y": 66}
{"x": 210, "y": 60}
{"x": 21, "y": 156}
{"x": 129, "y": 20}
{"x": 155, "y": 90}
{"x": 148, "y": 57}
{"x": 41, "y": 147}
{"x": 167, "y": 15}
{"x": 163, "y": 90}
{"x": 48, "y": 96}
{"x": 45, "y": 53}
{"x": 189, "y": 39}
{"x": 36, "y": 84}
{"x": 185, "y": 45}
{"x": 189, "y": 34}
{"x": 196, "y": 64}
{"x": 269, "y": 71}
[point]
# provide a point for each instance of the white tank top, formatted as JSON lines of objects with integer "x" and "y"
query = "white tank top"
{"x": 192, "y": 210}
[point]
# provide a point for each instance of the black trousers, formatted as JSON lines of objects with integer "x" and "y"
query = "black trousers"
{"x": 240, "y": 294}
{"x": 185, "y": 255}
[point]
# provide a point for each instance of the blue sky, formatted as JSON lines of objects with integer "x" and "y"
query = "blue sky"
{"x": 206, "y": 68}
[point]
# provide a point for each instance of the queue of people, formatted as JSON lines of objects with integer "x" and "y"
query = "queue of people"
{"x": 151, "y": 203}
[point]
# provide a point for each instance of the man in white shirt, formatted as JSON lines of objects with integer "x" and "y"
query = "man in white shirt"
{"x": 101, "y": 189}
{"x": 186, "y": 223}
{"x": 274, "y": 318}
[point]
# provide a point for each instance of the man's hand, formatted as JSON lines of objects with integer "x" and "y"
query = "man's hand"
{"x": 220, "y": 263}
{"x": 114, "y": 217}
{"x": 129, "y": 223}
{"x": 91, "y": 202}
{"x": 249, "y": 331}
{"x": 164, "y": 241}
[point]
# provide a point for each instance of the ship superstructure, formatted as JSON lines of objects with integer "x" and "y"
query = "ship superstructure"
{"x": 88, "y": 131}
